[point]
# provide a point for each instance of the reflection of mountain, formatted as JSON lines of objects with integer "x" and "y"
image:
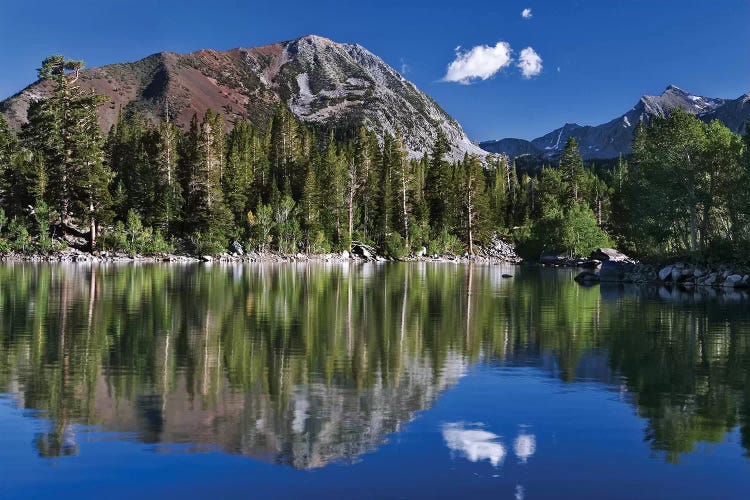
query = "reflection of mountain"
{"x": 304, "y": 365}
{"x": 319, "y": 423}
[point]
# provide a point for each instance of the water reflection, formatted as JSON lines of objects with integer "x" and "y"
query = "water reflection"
{"x": 524, "y": 446}
{"x": 475, "y": 445}
{"x": 304, "y": 365}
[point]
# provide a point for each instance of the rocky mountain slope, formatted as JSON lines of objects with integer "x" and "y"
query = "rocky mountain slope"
{"x": 323, "y": 82}
{"x": 615, "y": 137}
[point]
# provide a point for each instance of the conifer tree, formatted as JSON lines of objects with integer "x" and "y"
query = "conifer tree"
{"x": 168, "y": 200}
{"x": 402, "y": 181}
{"x": 474, "y": 202}
{"x": 238, "y": 182}
{"x": 437, "y": 184}
{"x": 571, "y": 165}
{"x": 64, "y": 129}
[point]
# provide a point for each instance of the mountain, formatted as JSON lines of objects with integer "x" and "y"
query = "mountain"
{"x": 615, "y": 137}
{"x": 322, "y": 82}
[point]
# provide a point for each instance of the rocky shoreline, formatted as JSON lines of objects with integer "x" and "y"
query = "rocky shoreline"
{"x": 498, "y": 252}
{"x": 680, "y": 274}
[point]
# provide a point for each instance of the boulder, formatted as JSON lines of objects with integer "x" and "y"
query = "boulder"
{"x": 207, "y": 258}
{"x": 422, "y": 252}
{"x": 236, "y": 248}
{"x": 589, "y": 263}
{"x": 732, "y": 281}
{"x": 345, "y": 254}
{"x": 605, "y": 254}
{"x": 711, "y": 279}
{"x": 665, "y": 273}
{"x": 676, "y": 274}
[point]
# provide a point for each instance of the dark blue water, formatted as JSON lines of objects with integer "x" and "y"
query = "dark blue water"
{"x": 403, "y": 381}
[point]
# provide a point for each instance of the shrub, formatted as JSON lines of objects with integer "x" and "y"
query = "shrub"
{"x": 445, "y": 243}
{"x": 20, "y": 239}
{"x": 395, "y": 246}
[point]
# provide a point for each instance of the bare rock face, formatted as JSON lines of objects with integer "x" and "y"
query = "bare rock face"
{"x": 322, "y": 82}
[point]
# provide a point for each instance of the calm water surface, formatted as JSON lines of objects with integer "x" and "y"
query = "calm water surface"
{"x": 349, "y": 381}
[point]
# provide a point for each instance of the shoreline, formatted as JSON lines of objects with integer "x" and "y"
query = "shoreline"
{"x": 71, "y": 256}
{"x": 674, "y": 275}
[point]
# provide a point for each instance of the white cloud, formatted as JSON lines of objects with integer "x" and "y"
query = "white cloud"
{"x": 480, "y": 63}
{"x": 529, "y": 62}
{"x": 404, "y": 67}
{"x": 526, "y": 13}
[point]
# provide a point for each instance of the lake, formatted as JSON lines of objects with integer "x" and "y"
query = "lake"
{"x": 367, "y": 380}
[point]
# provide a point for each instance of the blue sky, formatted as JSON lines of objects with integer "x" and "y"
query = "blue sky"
{"x": 597, "y": 56}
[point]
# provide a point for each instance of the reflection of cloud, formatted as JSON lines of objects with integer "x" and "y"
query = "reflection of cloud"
{"x": 475, "y": 444}
{"x": 301, "y": 406}
{"x": 524, "y": 447}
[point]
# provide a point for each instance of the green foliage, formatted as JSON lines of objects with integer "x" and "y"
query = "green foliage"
{"x": 261, "y": 225}
{"x": 133, "y": 238}
{"x": 580, "y": 234}
{"x": 574, "y": 232}
{"x": 686, "y": 188}
{"x": 18, "y": 236}
{"x": 42, "y": 220}
{"x": 445, "y": 243}
{"x": 394, "y": 246}
{"x": 208, "y": 243}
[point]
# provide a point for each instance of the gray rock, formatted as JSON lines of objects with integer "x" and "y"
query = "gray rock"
{"x": 422, "y": 252}
{"x": 711, "y": 279}
{"x": 732, "y": 281}
{"x": 207, "y": 258}
{"x": 604, "y": 254}
{"x": 676, "y": 274}
{"x": 345, "y": 254}
{"x": 665, "y": 273}
{"x": 236, "y": 248}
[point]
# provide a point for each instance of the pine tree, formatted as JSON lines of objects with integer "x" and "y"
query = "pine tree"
{"x": 402, "y": 181}
{"x": 8, "y": 146}
{"x": 240, "y": 172}
{"x": 64, "y": 129}
{"x": 571, "y": 165}
{"x": 437, "y": 184}
{"x": 168, "y": 200}
{"x": 474, "y": 201}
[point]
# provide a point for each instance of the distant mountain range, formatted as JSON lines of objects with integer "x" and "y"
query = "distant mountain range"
{"x": 322, "y": 82}
{"x": 615, "y": 137}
